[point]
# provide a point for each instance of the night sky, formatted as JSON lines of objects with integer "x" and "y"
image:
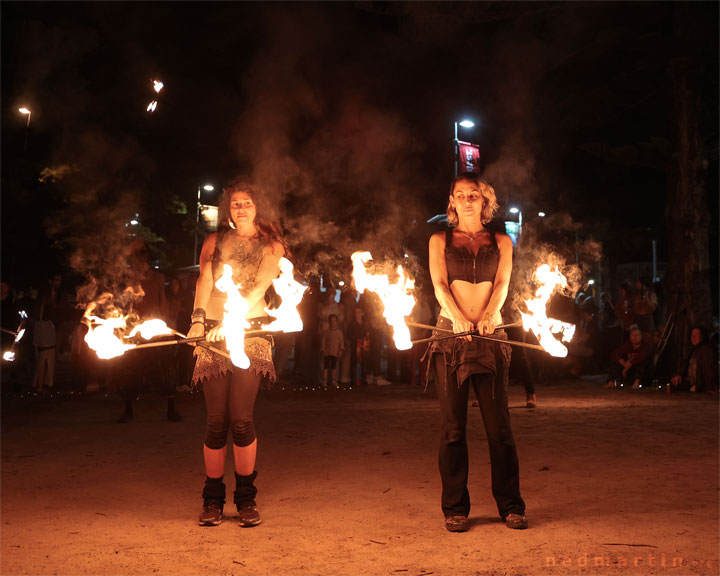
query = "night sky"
{"x": 344, "y": 112}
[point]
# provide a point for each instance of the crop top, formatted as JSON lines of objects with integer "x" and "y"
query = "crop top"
{"x": 244, "y": 257}
{"x": 462, "y": 265}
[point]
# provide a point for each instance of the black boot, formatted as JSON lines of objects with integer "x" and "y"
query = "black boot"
{"x": 244, "y": 497}
{"x": 213, "y": 502}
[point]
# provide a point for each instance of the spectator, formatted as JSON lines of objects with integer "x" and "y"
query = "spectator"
{"x": 359, "y": 342}
{"x": 45, "y": 335}
{"x": 623, "y": 307}
{"x": 631, "y": 362}
{"x": 332, "y": 348}
{"x": 643, "y": 302}
{"x": 699, "y": 370}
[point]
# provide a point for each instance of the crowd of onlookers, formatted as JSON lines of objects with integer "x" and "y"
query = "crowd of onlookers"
{"x": 347, "y": 342}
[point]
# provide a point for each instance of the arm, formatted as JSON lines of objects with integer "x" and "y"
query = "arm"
{"x": 438, "y": 273}
{"x": 204, "y": 284}
{"x": 500, "y": 286}
{"x": 268, "y": 271}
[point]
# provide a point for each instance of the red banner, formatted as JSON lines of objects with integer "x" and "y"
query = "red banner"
{"x": 468, "y": 157}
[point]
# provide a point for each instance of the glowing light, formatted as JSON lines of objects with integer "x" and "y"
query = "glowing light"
{"x": 467, "y": 123}
{"x": 151, "y": 107}
{"x": 234, "y": 322}
{"x": 541, "y": 214}
{"x": 514, "y": 210}
{"x": 287, "y": 317}
{"x": 208, "y": 187}
{"x": 157, "y": 86}
{"x": 536, "y": 320}
{"x": 591, "y": 282}
{"x": 134, "y": 222}
{"x": 9, "y": 356}
{"x": 398, "y": 301}
{"x": 341, "y": 283}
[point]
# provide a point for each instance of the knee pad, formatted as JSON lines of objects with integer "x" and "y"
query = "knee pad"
{"x": 243, "y": 432}
{"x": 216, "y": 434}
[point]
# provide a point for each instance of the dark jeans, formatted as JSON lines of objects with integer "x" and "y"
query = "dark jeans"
{"x": 639, "y": 371}
{"x": 453, "y": 459}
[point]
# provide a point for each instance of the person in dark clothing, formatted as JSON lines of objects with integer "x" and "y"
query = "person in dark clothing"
{"x": 470, "y": 268}
{"x": 632, "y": 361}
{"x": 359, "y": 341}
{"x": 699, "y": 370}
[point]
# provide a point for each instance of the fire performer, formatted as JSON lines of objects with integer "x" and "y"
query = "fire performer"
{"x": 253, "y": 247}
{"x": 470, "y": 268}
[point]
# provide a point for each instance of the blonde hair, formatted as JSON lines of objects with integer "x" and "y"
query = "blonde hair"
{"x": 486, "y": 191}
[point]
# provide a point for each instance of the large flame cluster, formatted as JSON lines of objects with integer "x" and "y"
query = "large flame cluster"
{"x": 537, "y": 320}
{"x": 397, "y": 297}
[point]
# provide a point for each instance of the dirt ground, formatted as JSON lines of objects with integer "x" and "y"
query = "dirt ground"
{"x": 615, "y": 481}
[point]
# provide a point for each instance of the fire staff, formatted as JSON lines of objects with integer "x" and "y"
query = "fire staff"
{"x": 252, "y": 246}
{"x": 470, "y": 268}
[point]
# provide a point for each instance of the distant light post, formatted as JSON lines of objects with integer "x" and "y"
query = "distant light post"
{"x": 456, "y": 146}
{"x": 541, "y": 214}
{"x": 517, "y": 211}
{"x": 28, "y": 112}
{"x": 207, "y": 188}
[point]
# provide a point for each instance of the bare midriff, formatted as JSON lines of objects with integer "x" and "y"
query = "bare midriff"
{"x": 472, "y": 299}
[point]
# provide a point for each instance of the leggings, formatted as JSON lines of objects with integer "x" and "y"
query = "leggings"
{"x": 230, "y": 400}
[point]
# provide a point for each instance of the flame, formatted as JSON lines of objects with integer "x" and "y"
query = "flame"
{"x": 151, "y": 328}
{"x": 9, "y": 356}
{"x": 151, "y": 107}
{"x": 157, "y": 86}
{"x": 101, "y": 334}
{"x": 287, "y": 317}
{"x": 20, "y": 334}
{"x": 536, "y": 320}
{"x": 397, "y": 298}
{"x": 234, "y": 322}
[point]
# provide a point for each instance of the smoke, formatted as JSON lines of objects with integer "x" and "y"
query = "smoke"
{"x": 101, "y": 180}
{"x": 333, "y": 161}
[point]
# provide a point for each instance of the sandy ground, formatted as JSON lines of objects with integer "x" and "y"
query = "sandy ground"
{"x": 616, "y": 482}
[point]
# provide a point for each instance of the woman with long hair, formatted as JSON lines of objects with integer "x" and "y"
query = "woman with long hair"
{"x": 252, "y": 246}
{"x": 470, "y": 268}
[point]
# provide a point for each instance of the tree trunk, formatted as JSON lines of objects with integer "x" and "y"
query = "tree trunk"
{"x": 687, "y": 215}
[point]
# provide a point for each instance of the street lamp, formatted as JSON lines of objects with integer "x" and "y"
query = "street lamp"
{"x": 515, "y": 210}
{"x": 465, "y": 124}
{"x": 28, "y": 112}
{"x": 207, "y": 188}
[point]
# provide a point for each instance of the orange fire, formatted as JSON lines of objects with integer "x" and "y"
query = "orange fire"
{"x": 101, "y": 335}
{"x": 397, "y": 298}
{"x": 536, "y": 320}
{"x": 234, "y": 322}
{"x": 287, "y": 317}
{"x": 151, "y": 328}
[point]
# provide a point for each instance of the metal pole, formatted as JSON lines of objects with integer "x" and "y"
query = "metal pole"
{"x": 455, "y": 150}
{"x": 654, "y": 261}
{"x": 197, "y": 226}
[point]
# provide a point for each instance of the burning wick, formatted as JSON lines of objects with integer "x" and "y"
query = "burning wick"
{"x": 151, "y": 107}
{"x": 9, "y": 356}
{"x": 157, "y": 86}
{"x": 536, "y": 320}
{"x": 151, "y": 328}
{"x": 397, "y": 298}
{"x": 234, "y": 322}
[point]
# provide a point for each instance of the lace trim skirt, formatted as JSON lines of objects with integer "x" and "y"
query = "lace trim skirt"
{"x": 209, "y": 365}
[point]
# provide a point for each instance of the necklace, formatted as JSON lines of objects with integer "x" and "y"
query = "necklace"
{"x": 471, "y": 238}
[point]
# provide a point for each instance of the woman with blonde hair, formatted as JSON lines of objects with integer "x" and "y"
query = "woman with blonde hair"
{"x": 470, "y": 268}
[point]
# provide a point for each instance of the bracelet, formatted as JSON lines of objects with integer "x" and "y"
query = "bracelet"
{"x": 197, "y": 322}
{"x": 199, "y": 312}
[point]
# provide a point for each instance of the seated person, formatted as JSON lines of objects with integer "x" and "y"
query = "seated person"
{"x": 699, "y": 370}
{"x": 631, "y": 361}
